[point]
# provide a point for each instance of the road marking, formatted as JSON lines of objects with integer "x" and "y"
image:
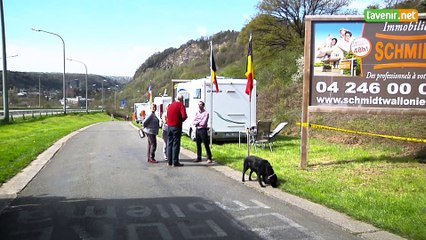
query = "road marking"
{"x": 138, "y": 211}
{"x": 198, "y": 231}
{"x": 219, "y": 232}
{"x": 177, "y": 211}
{"x": 163, "y": 212}
{"x": 91, "y": 211}
{"x": 261, "y": 204}
{"x": 33, "y": 216}
{"x": 200, "y": 207}
{"x": 273, "y": 225}
{"x": 266, "y": 225}
{"x": 241, "y": 206}
{"x": 133, "y": 234}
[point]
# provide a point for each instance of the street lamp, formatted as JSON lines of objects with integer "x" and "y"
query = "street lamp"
{"x": 63, "y": 76}
{"x": 69, "y": 59}
{"x": 39, "y": 91}
{"x": 102, "y": 107}
{"x": 115, "y": 97}
{"x": 4, "y": 73}
{"x": 11, "y": 56}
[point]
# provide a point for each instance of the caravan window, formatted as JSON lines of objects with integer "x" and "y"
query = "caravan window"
{"x": 197, "y": 94}
{"x": 186, "y": 102}
{"x": 185, "y": 98}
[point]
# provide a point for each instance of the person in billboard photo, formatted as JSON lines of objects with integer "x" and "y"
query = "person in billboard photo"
{"x": 346, "y": 40}
{"x": 329, "y": 45}
{"x": 333, "y": 54}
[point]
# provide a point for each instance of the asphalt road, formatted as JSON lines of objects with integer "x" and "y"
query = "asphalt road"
{"x": 98, "y": 185}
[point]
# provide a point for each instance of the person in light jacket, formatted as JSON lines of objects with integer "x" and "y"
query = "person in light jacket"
{"x": 151, "y": 126}
{"x": 165, "y": 129}
{"x": 200, "y": 122}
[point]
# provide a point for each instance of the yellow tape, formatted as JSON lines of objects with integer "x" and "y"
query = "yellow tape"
{"x": 408, "y": 139}
{"x": 303, "y": 124}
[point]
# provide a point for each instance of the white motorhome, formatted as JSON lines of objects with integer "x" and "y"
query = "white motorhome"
{"x": 230, "y": 110}
{"x": 138, "y": 108}
{"x": 162, "y": 104}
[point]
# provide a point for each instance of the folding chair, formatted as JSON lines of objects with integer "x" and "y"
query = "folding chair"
{"x": 262, "y": 133}
{"x": 277, "y": 131}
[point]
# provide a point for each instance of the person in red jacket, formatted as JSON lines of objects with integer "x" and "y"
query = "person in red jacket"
{"x": 176, "y": 115}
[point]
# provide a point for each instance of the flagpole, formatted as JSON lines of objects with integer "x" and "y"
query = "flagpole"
{"x": 211, "y": 117}
{"x": 250, "y": 77}
{"x": 248, "y": 128}
{"x": 150, "y": 92}
{"x": 211, "y": 96}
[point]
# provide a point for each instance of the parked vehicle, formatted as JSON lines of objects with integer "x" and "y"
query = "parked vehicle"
{"x": 230, "y": 110}
{"x": 141, "y": 110}
{"x": 162, "y": 104}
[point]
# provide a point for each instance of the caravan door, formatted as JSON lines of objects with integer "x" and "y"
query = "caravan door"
{"x": 186, "y": 126}
{"x": 231, "y": 109}
{"x": 193, "y": 92}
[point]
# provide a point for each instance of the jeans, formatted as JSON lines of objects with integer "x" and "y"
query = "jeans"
{"x": 152, "y": 145}
{"x": 173, "y": 145}
{"x": 202, "y": 137}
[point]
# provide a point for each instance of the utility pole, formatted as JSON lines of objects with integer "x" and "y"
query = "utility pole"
{"x": 5, "y": 83}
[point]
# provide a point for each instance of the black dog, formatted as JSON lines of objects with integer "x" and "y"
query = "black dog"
{"x": 263, "y": 170}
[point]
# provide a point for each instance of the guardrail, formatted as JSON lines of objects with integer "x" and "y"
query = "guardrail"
{"x": 41, "y": 112}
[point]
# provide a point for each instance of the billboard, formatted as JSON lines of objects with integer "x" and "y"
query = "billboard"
{"x": 353, "y": 63}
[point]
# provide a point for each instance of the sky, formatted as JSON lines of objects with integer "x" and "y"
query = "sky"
{"x": 112, "y": 37}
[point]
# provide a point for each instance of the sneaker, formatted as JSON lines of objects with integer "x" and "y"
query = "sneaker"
{"x": 210, "y": 161}
{"x": 152, "y": 161}
{"x": 197, "y": 160}
{"x": 178, "y": 165}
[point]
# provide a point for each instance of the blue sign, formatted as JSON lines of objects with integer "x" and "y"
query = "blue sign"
{"x": 124, "y": 103}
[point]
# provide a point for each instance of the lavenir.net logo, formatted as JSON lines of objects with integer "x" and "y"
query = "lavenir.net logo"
{"x": 391, "y": 15}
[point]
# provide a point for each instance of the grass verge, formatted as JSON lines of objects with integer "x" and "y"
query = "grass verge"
{"x": 22, "y": 140}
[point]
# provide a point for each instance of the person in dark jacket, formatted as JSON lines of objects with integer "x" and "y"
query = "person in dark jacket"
{"x": 151, "y": 126}
{"x": 176, "y": 115}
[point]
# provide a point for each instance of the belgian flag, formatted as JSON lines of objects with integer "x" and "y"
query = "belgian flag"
{"x": 249, "y": 68}
{"x": 213, "y": 68}
{"x": 150, "y": 92}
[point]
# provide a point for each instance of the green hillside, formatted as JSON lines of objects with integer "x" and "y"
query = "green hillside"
{"x": 278, "y": 41}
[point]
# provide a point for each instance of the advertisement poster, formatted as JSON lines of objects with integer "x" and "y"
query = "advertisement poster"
{"x": 368, "y": 64}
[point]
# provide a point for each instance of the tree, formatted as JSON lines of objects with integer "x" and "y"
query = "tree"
{"x": 271, "y": 35}
{"x": 287, "y": 17}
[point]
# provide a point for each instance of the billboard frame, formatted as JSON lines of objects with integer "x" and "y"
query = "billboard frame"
{"x": 308, "y": 78}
